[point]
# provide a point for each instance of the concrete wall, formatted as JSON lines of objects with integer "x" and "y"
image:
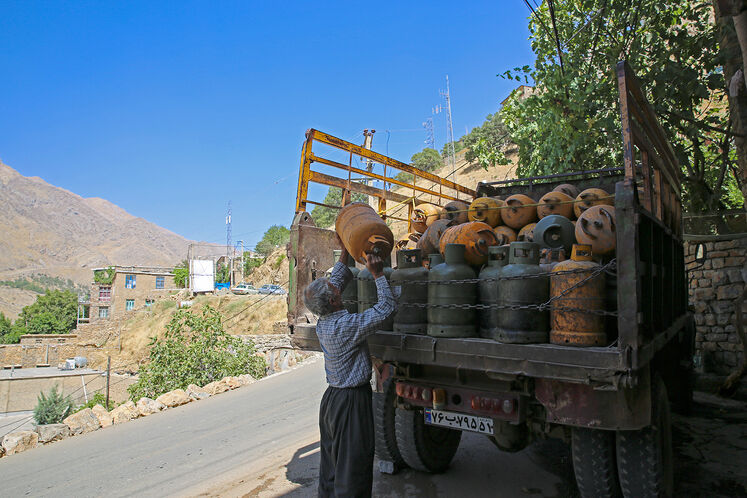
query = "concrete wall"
{"x": 714, "y": 286}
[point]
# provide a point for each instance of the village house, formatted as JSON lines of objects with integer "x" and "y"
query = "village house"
{"x": 118, "y": 290}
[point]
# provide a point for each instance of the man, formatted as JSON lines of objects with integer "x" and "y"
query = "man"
{"x": 345, "y": 416}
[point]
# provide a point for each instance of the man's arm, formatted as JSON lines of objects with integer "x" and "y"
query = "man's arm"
{"x": 364, "y": 324}
{"x": 340, "y": 276}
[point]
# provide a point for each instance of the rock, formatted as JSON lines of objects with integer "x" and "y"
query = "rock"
{"x": 124, "y": 413}
{"x": 105, "y": 418}
{"x": 16, "y": 442}
{"x": 174, "y": 398}
{"x": 704, "y": 294}
{"x": 718, "y": 254}
{"x": 196, "y": 392}
{"x": 216, "y": 387}
{"x": 147, "y": 406}
{"x": 232, "y": 382}
{"x": 716, "y": 263}
{"x": 247, "y": 379}
{"x": 52, "y": 432}
{"x": 82, "y": 422}
{"x": 710, "y": 320}
{"x": 731, "y": 291}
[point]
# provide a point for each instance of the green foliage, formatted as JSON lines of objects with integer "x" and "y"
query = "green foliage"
{"x": 223, "y": 274}
{"x": 181, "y": 274}
{"x": 274, "y": 237}
{"x": 194, "y": 350}
{"x": 52, "y": 408}
{"x": 325, "y": 217}
{"x": 105, "y": 276}
{"x": 427, "y": 159}
{"x": 571, "y": 120}
{"x": 97, "y": 399}
{"x": 278, "y": 261}
{"x": 39, "y": 283}
{"x": 486, "y": 142}
{"x": 5, "y": 324}
{"x": 55, "y": 312}
{"x": 250, "y": 264}
{"x": 13, "y": 336}
{"x": 458, "y": 146}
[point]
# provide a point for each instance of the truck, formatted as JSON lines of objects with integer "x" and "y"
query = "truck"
{"x": 611, "y": 403}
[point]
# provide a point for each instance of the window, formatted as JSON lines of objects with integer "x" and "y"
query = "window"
{"x": 159, "y": 282}
{"x": 104, "y": 312}
{"x": 105, "y": 293}
{"x": 129, "y": 281}
{"x": 148, "y": 303}
{"x": 130, "y": 305}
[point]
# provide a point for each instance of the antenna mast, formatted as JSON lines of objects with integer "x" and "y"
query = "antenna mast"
{"x": 450, "y": 130}
{"x": 429, "y": 139}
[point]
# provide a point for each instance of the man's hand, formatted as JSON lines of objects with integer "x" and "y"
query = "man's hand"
{"x": 375, "y": 265}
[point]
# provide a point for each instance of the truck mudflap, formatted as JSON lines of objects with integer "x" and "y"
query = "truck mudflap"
{"x": 583, "y": 405}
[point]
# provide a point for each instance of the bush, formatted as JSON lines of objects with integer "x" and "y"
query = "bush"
{"x": 98, "y": 399}
{"x": 105, "y": 276}
{"x": 194, "y": 350}
{"x": 52, "y": 408}
{"x": 181, "y": 274}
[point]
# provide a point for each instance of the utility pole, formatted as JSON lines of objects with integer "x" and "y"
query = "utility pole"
{"x": 228, "y": 245}
{"x": 108, "y": 375}
{"x": 367, "y": 143}
{"x": 450, "y": 131}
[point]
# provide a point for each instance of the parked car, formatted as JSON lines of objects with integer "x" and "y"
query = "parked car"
{"x": 244, "y": 289}
{"x": 271, "y": 289}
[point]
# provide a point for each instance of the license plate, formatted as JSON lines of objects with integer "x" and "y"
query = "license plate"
{"x": 459, "y": 421}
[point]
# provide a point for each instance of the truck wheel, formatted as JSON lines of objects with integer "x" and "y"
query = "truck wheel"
{"x": 594, "y": 463}
{"x": 425, "y": 447}
{"x": 384, "y": 406}
{"x": 644, "y": 457}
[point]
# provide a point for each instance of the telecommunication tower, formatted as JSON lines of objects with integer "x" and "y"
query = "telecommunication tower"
{"x": 429, "y": 138}
{"x": 450, "y": 129}
{"x": 228, "y": 234}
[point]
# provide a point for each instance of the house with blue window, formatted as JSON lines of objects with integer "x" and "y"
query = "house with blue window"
{"x": 120, "y": 290}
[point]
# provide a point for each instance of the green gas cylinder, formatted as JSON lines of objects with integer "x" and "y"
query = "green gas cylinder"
{"x": 367, "y": 296}
{"x": 523, "y": 325}
{"x": 434, "y": 260}
{"x": 412, "y": 277}
{"x": 350, "y": 293}
{"x": 555, "y": 232}
{"x": 452, "y": 322}
{"x": 488, "y": 289}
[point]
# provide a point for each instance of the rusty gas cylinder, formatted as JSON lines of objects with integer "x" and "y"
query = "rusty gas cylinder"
{"x": 487, "y": 210}
{"x": 555, "y": 203}
{"x": 456, "y": 211}
{"x": 412, "y": 279}
{"x": 445, "y": 288}
{"x": 568, "y": 189}
{"x": 596, "y": 227}
{"x": 577, "y": 328}
{"x": 505, "y": 235}
{"x": 592, "y": 197}
{"x": 520, "y": 211}
{"x": 549, "y": 258}
{"x": 526, "y": 234}
{"x": 429, "y": 242}
{"x": 488, "y": 290}
{"x": 555, "y": 231}
{"x": 424, "y": 215}
{"x": 525, "y": 287}
{"x": 408, "y": 241}
{"x": 367, "y": 293}
{"x": 362, "y": 231}
{"x": 476, "y": 237}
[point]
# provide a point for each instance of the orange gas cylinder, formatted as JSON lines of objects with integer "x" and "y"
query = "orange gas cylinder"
{"x": 596, "y": 227}
{"x": 457, "y": 211}
{"x": 429, "y": 242}
{"x": 505, "y": 235}
{"x": 423, "y": 215}
{"x": 408, "y": 241}
{"x": 526, "y": 234}
{"x": 362, "y": 231}
{"x": 555, "y": 203}
{"x": 592, "y": 197}
{"x": 486, "y": 209}
{"x": 577, "y": 328}
{"x": 476, "y": 237}
{"x": 516, "y": 216}
{"x": 568, "y": 189}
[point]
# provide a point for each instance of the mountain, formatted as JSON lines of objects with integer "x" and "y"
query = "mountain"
{"x": 48, "y": 230}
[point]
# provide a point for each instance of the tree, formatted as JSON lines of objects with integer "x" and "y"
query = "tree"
{"x": 223, "y": 274}
{"x": 571, "y": 121}
{"x": 274, "y": 237}
{"x": 194, "y": 350}
{"x": 52, "y": 408}
{"x": 55, "y": 312}
{"x": 486, "y": 143}
{"x": 181, "y": 274}
{"x": 5, "y": 324}
{"x": 250, "y": 263}
{"x": 427, "y": 160}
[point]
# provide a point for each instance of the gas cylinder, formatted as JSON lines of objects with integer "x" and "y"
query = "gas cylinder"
{"x": 576, "y": 328}
{"x": 487, "y": 210}
{"x": 411, "y": 319}
{"x": 516, "y": 325}
{"x": 434, "y": 260}
{"x": 363, "y": 231}
{"x": 367, "y": 295}
{"x": 505, "y": 235}
{"x": 476, "y": 236}
{"x": 555, "y": 231}
{"x": 457, "y": 211}
{"x": 592, "y": 197}
{"x": 555, "y": 203}
{"x": 596, "y": 227}
{"x": 423, "y": 215}
{"x": 488, "y": 290}
{"x": 429, "y": 241}
{"x": 549, "y": 258}
{"x": 447, "y": 322}
{"x": 407, "y": 241}
{"x": 568, "y": 189}
{"x": 526, "y": 234}
{"x": 350, "y": 293}
{"x": 516, "y": 216}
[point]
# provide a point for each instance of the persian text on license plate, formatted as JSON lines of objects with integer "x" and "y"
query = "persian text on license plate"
{"x": 459, "y": 421}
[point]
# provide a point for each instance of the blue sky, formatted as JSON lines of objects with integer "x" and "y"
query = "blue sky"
{"x": 170, "y": 109}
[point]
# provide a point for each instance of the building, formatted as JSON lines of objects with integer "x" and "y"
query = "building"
{"x": 119, "y": 290}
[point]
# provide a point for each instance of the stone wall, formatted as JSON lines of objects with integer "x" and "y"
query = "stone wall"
{"x": 715, "y": 284}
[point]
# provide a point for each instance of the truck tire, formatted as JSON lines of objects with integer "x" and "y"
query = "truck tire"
{"x": 594, "y": 463}
{"x": 425, "y": 447}
{"x": 644, "y": 457}
{"x": 384, "y": 407}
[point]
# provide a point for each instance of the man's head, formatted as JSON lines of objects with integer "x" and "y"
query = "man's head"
{"x": 322, "y": 298}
